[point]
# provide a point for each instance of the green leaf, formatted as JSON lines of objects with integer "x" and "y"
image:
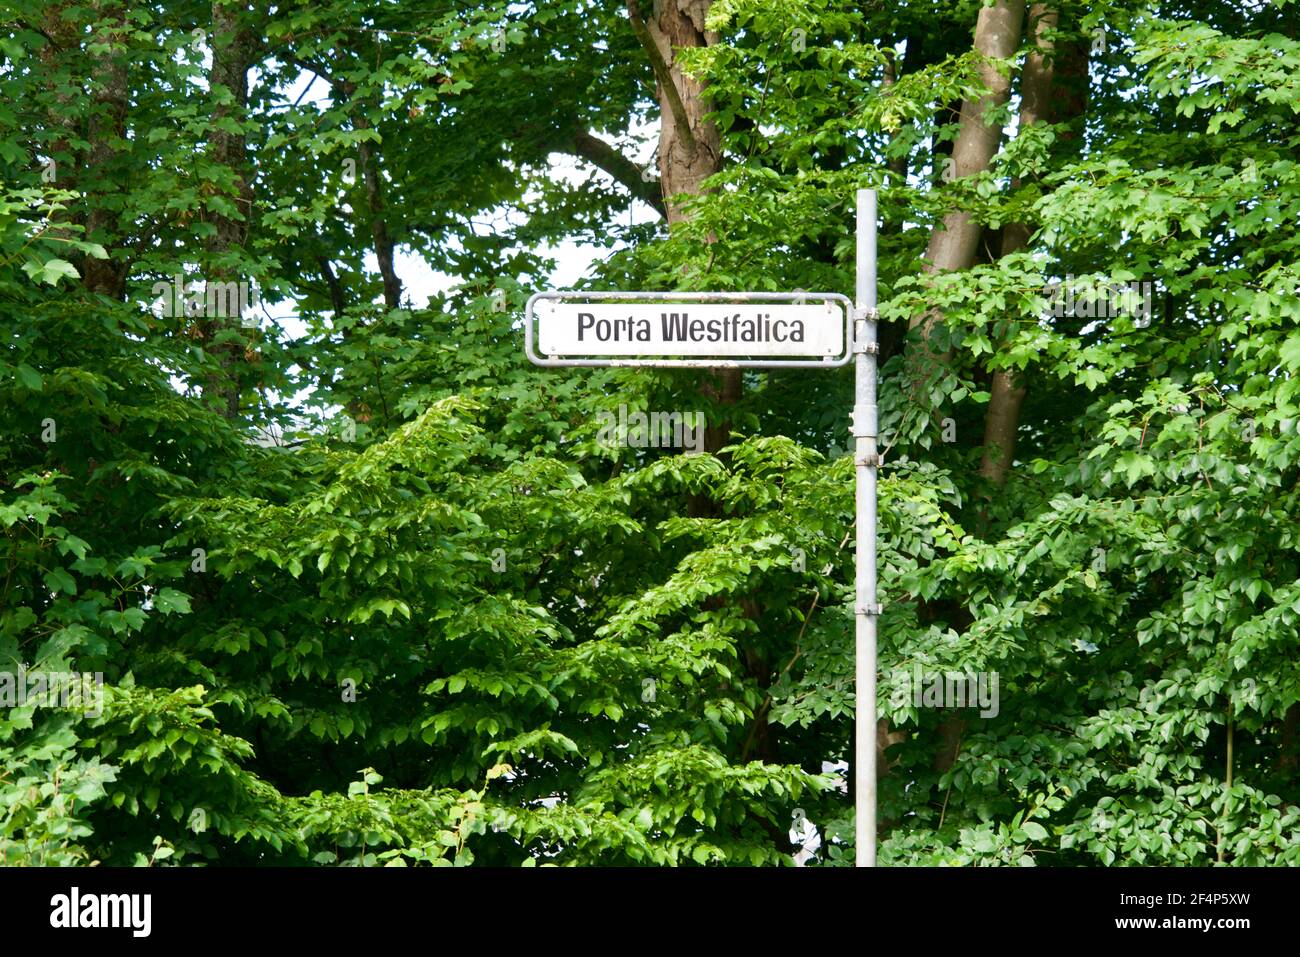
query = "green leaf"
{"x": 51, "y": 271}
{"x": 29, "y": 377}
{"x": 58, "y": 580}
{"x": 169, "y": 601}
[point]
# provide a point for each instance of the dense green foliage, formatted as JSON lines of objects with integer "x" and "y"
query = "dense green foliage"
{"x": 436, "y": 621}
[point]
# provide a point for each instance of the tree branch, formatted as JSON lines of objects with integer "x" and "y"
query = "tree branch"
{"x": 662, "y": 73}
{"x": 604, "y": 157}
{"x": 337, "y": 299}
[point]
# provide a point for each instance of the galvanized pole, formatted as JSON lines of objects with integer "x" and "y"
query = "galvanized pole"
{"x": 866, "y": 461}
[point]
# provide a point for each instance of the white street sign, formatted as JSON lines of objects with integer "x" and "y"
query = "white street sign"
{"x": 695, "y": 329}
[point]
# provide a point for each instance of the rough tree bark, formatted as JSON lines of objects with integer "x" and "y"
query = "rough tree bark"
{"x": 62, "y": 116}
{"x": 1007, "y": 393}
{"x": 690, "y": 147}
{"x": 232, "y": 46}
{"x": 106, "y": 128}
{"x": 997, "y": 35}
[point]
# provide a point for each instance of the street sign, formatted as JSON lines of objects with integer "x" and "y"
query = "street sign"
{"x": 750, "y": 329}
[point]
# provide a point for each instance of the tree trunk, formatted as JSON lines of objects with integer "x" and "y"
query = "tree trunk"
{"x": 1040, "y": 86}
{"x": 690, "y": 147}
{"x": 997, "y": 35}
{"x": 378, "y": 224}
{"x": 232, "y": 46}
{"x": 1007, "y": 393}
{"x": 106, "y": 129}
{"x": 62, "y": 115}
{"x": 954, "y": 242}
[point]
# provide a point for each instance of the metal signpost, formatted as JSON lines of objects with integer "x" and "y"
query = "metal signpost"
{"x": 866, "y": 461}
{"x": 754, "y": 330}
